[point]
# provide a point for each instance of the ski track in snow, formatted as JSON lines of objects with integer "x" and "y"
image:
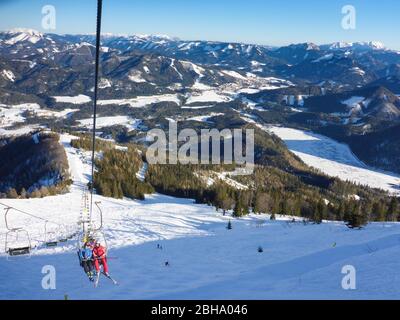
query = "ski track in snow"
{"x": 205, "y": 259}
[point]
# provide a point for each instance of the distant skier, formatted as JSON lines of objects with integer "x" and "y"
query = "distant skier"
{"x": 86, "y": 259}
{"x": 100, "y": 257}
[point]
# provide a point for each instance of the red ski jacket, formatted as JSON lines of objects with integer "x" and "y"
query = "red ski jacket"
{"x": 99, "y": 251}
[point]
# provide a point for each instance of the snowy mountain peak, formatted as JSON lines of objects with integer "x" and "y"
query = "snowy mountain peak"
{"x": 153, "y": 37}
{"x": 22, "y": 34}
{"x": 306, "y": 46}
{"x": 376, "y": 45}
{"x": 370, "y": 45}
{"x": 311, "y": 46}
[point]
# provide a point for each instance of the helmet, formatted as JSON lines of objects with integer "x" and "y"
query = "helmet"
{"x": 87, "y": 244}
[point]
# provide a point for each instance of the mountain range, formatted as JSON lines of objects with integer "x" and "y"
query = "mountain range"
{"x": 348, "y": 91}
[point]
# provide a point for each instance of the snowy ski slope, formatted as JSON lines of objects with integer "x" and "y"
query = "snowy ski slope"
{"x": 205, "y": 259}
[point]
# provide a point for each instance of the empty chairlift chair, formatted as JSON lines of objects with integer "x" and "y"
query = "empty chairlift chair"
{"x": 17, "y": 240}
{"x": 51, "y": 235}
{"x": 63, "y": 234}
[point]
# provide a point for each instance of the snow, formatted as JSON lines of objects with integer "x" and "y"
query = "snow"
{"x": 146, "y": 69}
{"x": 352, "y": 101}
{"x": 194, "y": 67}
{"x": 136, "y": 76}
{"x": 142, "y": 101}
{"x": 104, "y": 83}
{"x": 335, "y": 159}
{"x": 374, "y": 45}
{"x": 9, "y": 75}
{"x": 79, "y": 99}
{"x": 326, "y": 57}
{"x": 225, "y": 176}
{"x": 198, "y": 107}
{"x": 18, "y": 132}
{"x": 234, "y": 74}
{"x": 21, "y": 34}
{"x": 354, "y": 105}
{"x": 200, "y": 86}
{"x": 101, "y": 122}
{"x": 66, "y": 113}
{"x": 13, "y": 114}
{"x": 249, "y": 90}
{"x": 172, "y": 65}
{"x": 10, "y": 115}
{"x": 272, "y": 83}
{"x": 299, "y": 261}
{"x": 358, "y": 71}
{"x": 207, "y": 96}
{"x": 296, "y": 110}
{"x": 205, "y": 118}
{"x": 141, "y": 175}
{"x": 255, "y": 63}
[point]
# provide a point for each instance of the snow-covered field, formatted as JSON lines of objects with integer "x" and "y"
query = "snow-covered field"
{"x": 205, "y": 259}
{"x": 208, "y": 96}
{"x": 79, "y": 99}
{"x": 335, "y": 159}
{"x": 56, "y": 114}
{"x": 142, "y": 101}
{"x": 10, "y": 115}
{"x": 102, "y": 122}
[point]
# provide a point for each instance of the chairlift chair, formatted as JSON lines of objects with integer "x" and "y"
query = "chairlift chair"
{"x": 50, "y": 237}
{"x": 17, "y": 241}
{"x": 63, "y": 235}
{"x": 71, "y": 232}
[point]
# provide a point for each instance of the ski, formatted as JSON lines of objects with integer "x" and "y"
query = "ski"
{"x": 96, "y": 283}
{"x": 109, "y": 277}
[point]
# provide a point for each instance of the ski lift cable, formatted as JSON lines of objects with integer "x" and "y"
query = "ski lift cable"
{"x": 97, "y": 64}
{"x": 30, "y": 214}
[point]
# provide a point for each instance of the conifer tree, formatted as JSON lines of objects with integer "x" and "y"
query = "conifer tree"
{"x": 356, "y": 218}
{"x": 393, "y": 209}
{"x": 23, "y": 193}
{"x": 12, "y": 193}
{"x": 378, "y": 211}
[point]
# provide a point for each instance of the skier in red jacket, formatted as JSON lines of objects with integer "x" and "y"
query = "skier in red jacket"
{"x": 100, "y": 257}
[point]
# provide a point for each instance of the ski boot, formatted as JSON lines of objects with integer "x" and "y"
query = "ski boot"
{"x": 90, "y": 276}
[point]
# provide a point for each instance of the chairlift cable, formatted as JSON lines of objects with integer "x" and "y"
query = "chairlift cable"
{"x": 96, "y": 79}
{"x": 30, "y": 214}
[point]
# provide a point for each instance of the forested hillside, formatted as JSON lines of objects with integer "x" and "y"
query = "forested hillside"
{"x": 33, "y": 165}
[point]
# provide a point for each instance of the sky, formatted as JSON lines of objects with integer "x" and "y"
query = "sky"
{"x": 268, "y": 22}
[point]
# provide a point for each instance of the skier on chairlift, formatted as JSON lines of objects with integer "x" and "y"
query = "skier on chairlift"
{"x": 86, "y": 259}
{"x": 100, "y": 257}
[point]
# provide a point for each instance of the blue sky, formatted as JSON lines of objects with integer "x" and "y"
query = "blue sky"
{"x": 273, "y": 22}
